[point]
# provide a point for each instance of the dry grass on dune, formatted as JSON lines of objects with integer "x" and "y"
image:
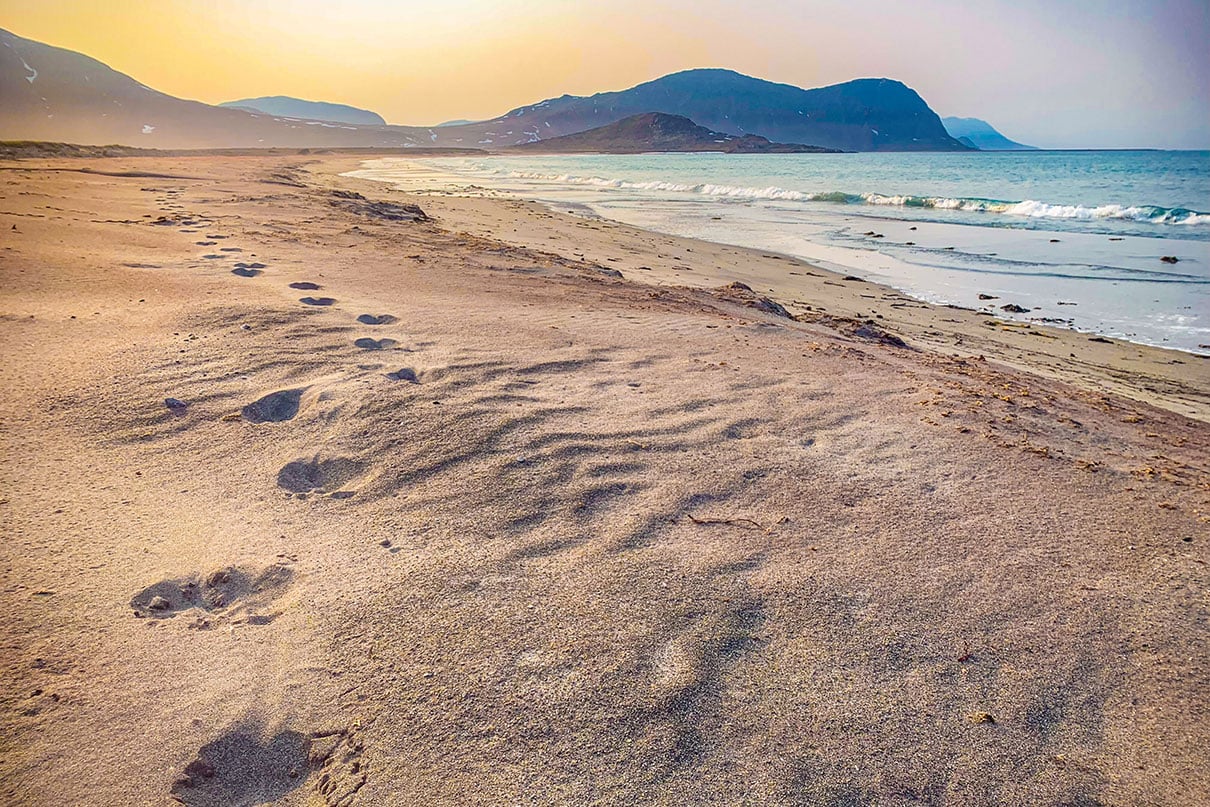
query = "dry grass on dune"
{"x": 528, "y": 533}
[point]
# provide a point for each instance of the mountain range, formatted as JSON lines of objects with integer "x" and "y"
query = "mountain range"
{"x": 51, "y": 93}
{"x": 56, "y": 94}
{"x": 861, "y": 115}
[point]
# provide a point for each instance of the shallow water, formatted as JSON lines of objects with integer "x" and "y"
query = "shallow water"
{"x": 1075, "y": 237}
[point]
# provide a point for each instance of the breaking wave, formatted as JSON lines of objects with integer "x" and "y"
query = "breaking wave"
{"x": 1147, "y": 214}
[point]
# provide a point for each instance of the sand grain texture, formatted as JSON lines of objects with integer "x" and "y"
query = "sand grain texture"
{"x": 558, "y": 537}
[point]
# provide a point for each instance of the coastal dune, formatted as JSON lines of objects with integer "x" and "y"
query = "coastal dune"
{"x": 320, "y": 494}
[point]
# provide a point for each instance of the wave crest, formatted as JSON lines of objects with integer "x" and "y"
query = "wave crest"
{"x": 1147, "y": 214}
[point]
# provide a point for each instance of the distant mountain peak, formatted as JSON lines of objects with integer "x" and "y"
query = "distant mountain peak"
{"x": 288, "y": 107}
{"x": 981, "y": 135}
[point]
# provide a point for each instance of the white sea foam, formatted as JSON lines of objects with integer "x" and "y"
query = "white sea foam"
{"x": 1028, "y": 208}
{"x": 705, "y": 189}
{"x": 1146, "y": 213}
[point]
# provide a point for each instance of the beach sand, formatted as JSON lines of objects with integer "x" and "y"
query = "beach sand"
{"x": 455, "y": 511}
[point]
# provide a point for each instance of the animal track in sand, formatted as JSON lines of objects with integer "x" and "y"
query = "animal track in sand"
{"x": 317, "y": 300}
{"x": 221, "y": 593}
{"x": 241, "y": 768}
{"x": 247, "y": 269}
{"x": 306, "y": 285}
{"x": 367, "y": 343}
{"x": 274, "y": 407}
{"x": 319, "y": 475}
{"x": 376, "y": 319}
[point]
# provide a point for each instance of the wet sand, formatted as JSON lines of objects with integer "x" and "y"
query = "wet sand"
{"x": 311, "y": 500}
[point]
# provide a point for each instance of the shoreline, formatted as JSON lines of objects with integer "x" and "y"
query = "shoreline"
{"x": 1173, "y": 378}
{"x": 946, "y": 263}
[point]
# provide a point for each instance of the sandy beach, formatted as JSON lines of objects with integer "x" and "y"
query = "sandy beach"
{"x": 312, "y": 500}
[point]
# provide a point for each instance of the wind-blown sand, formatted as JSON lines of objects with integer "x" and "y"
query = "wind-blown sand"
{"x": 442, "y": 512}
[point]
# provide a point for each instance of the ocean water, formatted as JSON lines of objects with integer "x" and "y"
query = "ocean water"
{"x": 1075, "y": 237}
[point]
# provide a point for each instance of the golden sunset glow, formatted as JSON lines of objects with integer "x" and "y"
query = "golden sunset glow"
{"x": 413, "y": 63}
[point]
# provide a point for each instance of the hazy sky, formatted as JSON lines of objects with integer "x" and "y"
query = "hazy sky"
{"x": 1059, "y": 73}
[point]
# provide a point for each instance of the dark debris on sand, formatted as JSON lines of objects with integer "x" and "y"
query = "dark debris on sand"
{"x": 387, "y": 211}
{"x": 742, "y": 293}
{"x": 875, "y": 334}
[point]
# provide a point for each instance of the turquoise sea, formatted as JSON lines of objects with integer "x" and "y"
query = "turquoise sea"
{"x": 1075, "y": 237}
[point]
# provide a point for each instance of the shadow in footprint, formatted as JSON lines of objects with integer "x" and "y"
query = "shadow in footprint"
{"x": 274, "y": 407}
{"x": 305, "y": 285}
{"x": 219, "y": 591}
{"x": 367, "y": 343}
{"x": 165, "y": 599}
{"x": 380, "y": 319}
{"x": 243, "y": 271}
{"x": 322, "y": 475}
{"x": 240, "y": 769}
{"x": 316, "y": 300}
{"x": 404, "y": 374}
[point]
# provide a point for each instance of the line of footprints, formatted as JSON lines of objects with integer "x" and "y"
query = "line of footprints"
{"x": 315, "y": 476}
{"x": 246, "y": 595}
{"x": 254, "y": 269}
{"x": 176, "y": 215}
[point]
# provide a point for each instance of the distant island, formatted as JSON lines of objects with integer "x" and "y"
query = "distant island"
{"x": 870, "y": 114}
{"x": 287, "y": 107}
{"x": 658, "y": 131}
{"x": 981, "y": 135}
